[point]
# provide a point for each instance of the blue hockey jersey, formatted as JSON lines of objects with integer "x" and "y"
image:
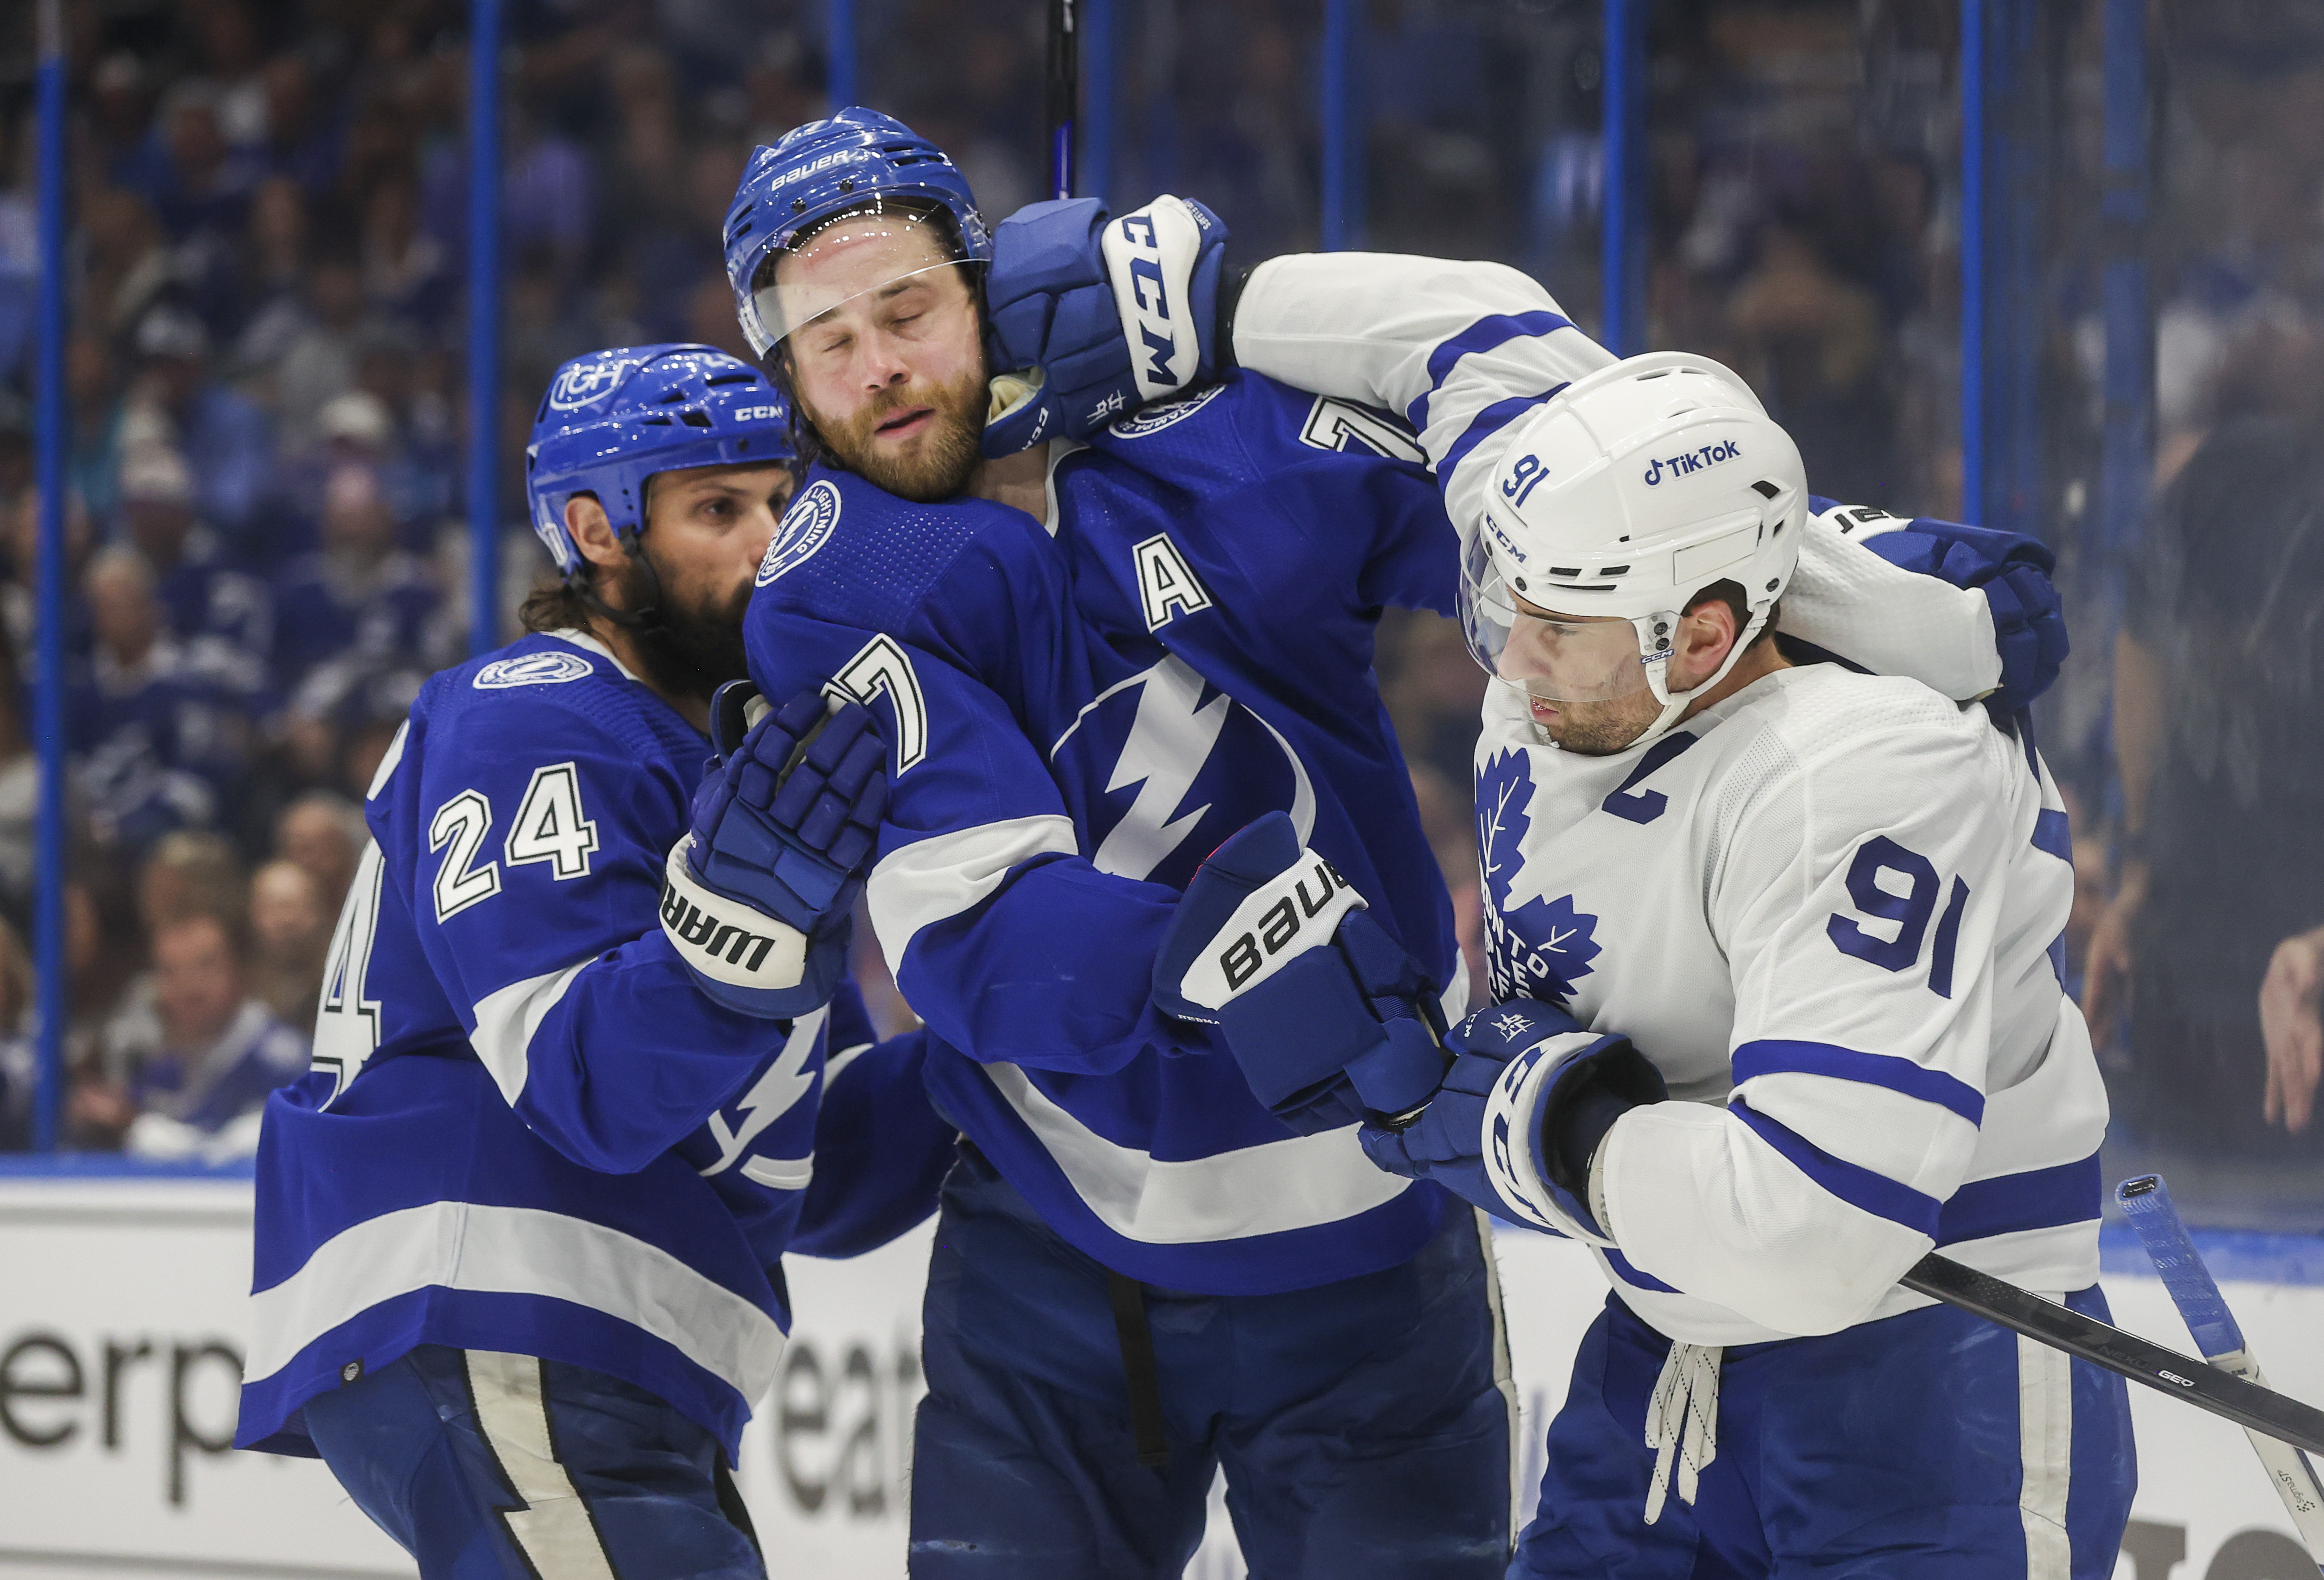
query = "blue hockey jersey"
{"x": 525, "y": 1130}
{"x": 1079, "y": 711}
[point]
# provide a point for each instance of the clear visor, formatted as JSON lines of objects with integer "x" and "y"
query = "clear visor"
{"x": 853, "y": 257}
{"x": 1556, "y": 659}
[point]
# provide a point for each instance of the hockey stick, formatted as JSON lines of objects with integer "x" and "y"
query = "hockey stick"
{"x": 2086, "y": 1338}
{"x": 1065, "y": 84}
{"x": 2147, "y": 1202}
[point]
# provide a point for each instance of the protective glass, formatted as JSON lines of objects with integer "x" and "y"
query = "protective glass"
{"x": 1556, "y": 661}
{"x": 855, "y": 254}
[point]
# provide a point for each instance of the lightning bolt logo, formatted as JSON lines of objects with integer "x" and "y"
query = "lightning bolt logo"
{"x": 770, "y": 1096}
{"x": 1168, "y": 742}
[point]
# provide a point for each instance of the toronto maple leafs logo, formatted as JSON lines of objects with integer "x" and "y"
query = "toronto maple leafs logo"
{"x": 1539, "y": 949}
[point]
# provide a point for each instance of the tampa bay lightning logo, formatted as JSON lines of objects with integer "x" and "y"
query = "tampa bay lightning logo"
{"x": 1160, "y": 768}
{"x": 805, "y": 527}
{"x": 1154, "y": 418}
{"x": 540, "y": 669}
{"x": 584, "y": 383}
{"x": 1539, "y": 949}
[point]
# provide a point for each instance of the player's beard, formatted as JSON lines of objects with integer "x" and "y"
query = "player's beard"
{"x": 940, "y": 466}
{"x": 687, "y": 649}
{"x": 1601, "y": 729}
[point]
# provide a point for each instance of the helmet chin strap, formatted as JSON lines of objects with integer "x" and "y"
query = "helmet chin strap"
{"x": 1674, "y": 706}
{"x": 645, "y": 619}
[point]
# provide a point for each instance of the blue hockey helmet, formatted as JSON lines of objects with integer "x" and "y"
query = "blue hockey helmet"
{"x": 613, "y": 418}
{"x": 858, "y": 162}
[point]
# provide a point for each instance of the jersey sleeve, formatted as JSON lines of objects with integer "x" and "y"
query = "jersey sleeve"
{"x": 1459, "y": 350}
{"x": 882, "y": 1150}
{"x": 1900, "y": 596}
{"x": 1004, "y": 938}
{"x": 537, "y": 849}
{"x": 1858, "y": 900}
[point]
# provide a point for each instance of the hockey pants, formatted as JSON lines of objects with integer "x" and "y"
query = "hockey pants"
{"x": 1363, "y": 1425}
{"x": 1932, "y": 1446}
{"x": 483, "y": 1465}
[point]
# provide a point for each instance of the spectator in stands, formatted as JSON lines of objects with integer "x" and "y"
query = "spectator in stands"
{"x": 221, "y": 616}
{"x": 20, "y": 796}
{"x": 160, "y": 744}
{"x": 290, "y": 931}
{"x": 190, "y": 874}
{"x": 198, "y": 1089}
{"x": 302, "y": 144}
{"x": 195, "y": 178}
{"x": 2219, "y": 743}
{"x": 324, "y": 834}
{"x": 318, "y": 360}
{"x": 358, "y": 607}
{"x": 16, "y": 598}
{"x": 221, "y": 432}
{"x": 273, "y": 284}
{"x": 19, "y": 1072}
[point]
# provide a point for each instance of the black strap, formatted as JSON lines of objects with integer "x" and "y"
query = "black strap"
{"x": 1138, "y": 1369}
{"x": 731, "y": 1504}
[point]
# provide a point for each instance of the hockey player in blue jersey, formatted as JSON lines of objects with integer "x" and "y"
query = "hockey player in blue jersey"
{"x": 1777, "y": 948}
{"x": 1141, "y": 1275}
{"x": 519, "y": 1234}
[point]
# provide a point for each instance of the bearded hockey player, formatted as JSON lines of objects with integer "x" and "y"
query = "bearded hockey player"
{"x": 1777, "y": 950}
{"x": 518, "y": 1232}
{"x": 1142, "y": 1273}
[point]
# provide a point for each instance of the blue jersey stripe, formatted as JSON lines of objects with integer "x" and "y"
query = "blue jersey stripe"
{"x": 1852, "y": 1183}
{"x": 1778, "y": 1056}
{"x": 2039, "y": 1199}
{"x": 1489, "y": 422}
{"x": 1481, "y": 335}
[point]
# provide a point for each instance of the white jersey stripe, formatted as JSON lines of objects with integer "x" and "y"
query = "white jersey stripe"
{"x": 2045, "y": 1443}
{"x": 506, "y": 1019}
{"x": 1267, "y": 1189}
{"x": 515, "y": 1251}
{"x": 934, "y": 879}
{"x": 554, "y": 1528}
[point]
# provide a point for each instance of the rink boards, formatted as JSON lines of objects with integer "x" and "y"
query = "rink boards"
{"x": 121, "y": 1337}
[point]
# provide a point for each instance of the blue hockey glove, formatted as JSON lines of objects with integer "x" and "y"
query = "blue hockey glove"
{"x": 1330, "y": 1019}
{"x": 1520, "y": 1114}
{"x": 1063, "y": 282}
{"x": 2029, "y": 625}
{"x": 757, "y": 897}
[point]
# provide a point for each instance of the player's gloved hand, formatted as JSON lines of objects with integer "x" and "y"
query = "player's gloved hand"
{"x": 1520, "y": 1114}
{"x": 1090, "y": 318}
{"x": 757, "y": 896}
{"x": 1330, "y": 1019}
{"x": 2029, "y": 625}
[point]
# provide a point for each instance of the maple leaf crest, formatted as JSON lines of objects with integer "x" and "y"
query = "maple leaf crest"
{"x": 1539, "y": 949}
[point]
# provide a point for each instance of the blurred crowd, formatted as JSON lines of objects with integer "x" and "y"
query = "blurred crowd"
{"x": 267, "y": 537}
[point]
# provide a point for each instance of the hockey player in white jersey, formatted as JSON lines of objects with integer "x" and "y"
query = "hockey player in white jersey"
{"x": 1776, "y": 945}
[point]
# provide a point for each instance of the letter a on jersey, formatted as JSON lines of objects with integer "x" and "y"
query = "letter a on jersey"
{"x": 1168, "y": 585}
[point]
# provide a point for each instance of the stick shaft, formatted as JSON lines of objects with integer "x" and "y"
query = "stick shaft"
{"x": 2086, "y": 1338}
{"x": 1064, "y": 95}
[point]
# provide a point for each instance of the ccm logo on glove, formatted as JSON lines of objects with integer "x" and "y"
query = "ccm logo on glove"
{"x": 1296, "y": 910}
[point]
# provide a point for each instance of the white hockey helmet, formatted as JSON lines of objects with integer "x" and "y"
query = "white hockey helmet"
{"x": 1635, "y": 488}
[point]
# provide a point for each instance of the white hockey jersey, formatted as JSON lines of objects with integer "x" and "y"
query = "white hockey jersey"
{"x": 1829, "y": 908}
{"x": 1825, "y": 910}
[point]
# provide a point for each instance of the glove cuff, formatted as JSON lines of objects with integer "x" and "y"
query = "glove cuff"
{"x": 1509, "y": 1139}
{"x": 722, "y": 939}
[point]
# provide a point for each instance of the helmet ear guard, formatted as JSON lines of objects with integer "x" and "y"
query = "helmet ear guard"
{"x": 1631, "y": 492}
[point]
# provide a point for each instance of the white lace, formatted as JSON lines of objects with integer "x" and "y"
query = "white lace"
{"x": 1683, "y": 1421}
